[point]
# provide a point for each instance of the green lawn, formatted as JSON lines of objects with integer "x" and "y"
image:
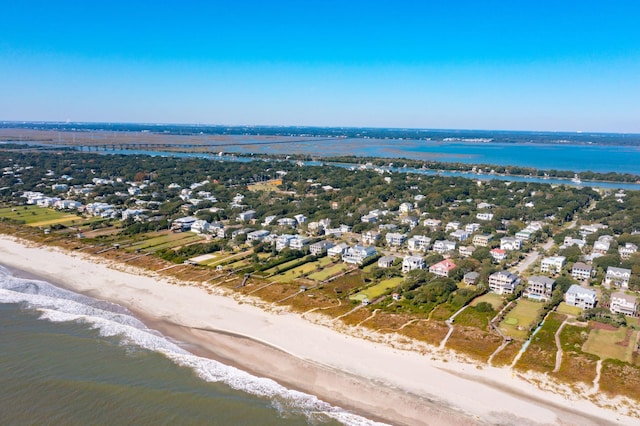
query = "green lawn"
{"x": 494, "y": 299}
{"x": 157, "y": 240}
{"x": 38, "y": 216}
{"x": 328, "y": 272}
{"x": 517, "y": 322}
{"x": 563, "y": 308}
{"x": 285, "y": 265}
{"x": 616, "y": 344}
{"x": 378, "y": 289}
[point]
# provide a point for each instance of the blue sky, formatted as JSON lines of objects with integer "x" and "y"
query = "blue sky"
{"x": 527, "y": 65}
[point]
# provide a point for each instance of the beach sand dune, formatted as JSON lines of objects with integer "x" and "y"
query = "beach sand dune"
{"x": 367, "y": 376}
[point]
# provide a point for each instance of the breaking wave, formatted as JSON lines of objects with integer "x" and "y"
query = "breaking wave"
{"x": 111, "y": 320}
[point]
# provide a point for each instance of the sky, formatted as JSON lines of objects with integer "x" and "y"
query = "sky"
{"x": 512, "y": 65}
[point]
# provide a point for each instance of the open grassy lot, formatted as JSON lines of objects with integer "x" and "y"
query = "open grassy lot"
{"x": 156, "y": 240}
{"x": 611, "y": 344}
{"x": 378, "y": 289}
{"x": 310, "y": 267}
{"x": 518, "y": 321}
{"x": 282, "y": 266}
{"x": 541, "y": 353}
{"x": 328, "y": 272}
{"x": 471, "y": 317}
{"x": 38, "y": 216}
{"x": 577, "y": 366}
{"x": 563, "y": 308}
{"x": 494, "y": 299}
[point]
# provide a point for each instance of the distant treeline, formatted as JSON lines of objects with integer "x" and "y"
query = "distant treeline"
{"x": 480, "y": 136}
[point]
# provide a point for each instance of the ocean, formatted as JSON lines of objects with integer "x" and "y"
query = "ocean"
{"x": 66, "y": 358}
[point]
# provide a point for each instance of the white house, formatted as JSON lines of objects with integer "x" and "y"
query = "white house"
{"x": 248, "y": 215}
{"x": 568, "y": 242}
{"x": 552, "y": 264}
{"x": 395, "y": 239}
{"x": 452, "y": 226}
{"x": 601, "y": 246}
{"x": 337, "y": 250}
{"x": 405, "y": 207}
{"x": 300, "y": 218}
{"x": 282, "y": 242}
{"x": 503, "y": 282}
{"x": 510, "y": 243}
{"x": 67, "y": 205}
{"x": 432, "y": 223}
{"x": 472, "y": 227}
{"x": 484, "y": 216}
{"x": 298, "y": 242}
{"x": 624, "y": 304}
{"x": 357, "y": 254}
{"x": 627, "y": 250}
{"x": 581, "y": 297}
{"x": 183, "y": 223}
{"x": 444, "y": 246}
{"x": 200, "y": 226}
{"x": 258, "y": 235}
{"x": 410, "y": 263}
{"x": 386, "y": 261}
{"x": 419, "y": 243}
{"x": 539, "y": 288}
{"x": 370, "y": 237}
{"x": 581, "y": 271}
{"x": 617, "y": 276}
{"x": 287, "y": 222}
{"x": 460, "y": 235}
{"x": 320, "y": 247}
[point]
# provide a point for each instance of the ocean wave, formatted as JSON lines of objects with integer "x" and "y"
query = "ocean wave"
{"x": 55, "y": 304}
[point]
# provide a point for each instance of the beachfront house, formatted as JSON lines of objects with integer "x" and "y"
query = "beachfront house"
{"x": 581, "y": 297}
{"x": 539, "y": 288}
{"x": 283, "y": 241}
{"x": 503, "y": 282}
{"x": 258, "y": 235}
{"x": 320, "y": 248}
{"x": 299, "y": 242}
{"x": 183, "y": 224}
{"x": 200, "y": 226}
{"x": 357, "y": 254}
{"x": 337, "y": 250}
{"x": 625, "y": 304}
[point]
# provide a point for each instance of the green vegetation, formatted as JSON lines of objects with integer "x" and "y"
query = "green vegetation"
{"x": 494, "y": 299}
{"x": 38, "y": 216}
{"x": 611, "y": 343}
{"x": 377, "y": 290}
{"x": 541, "y": 353}
{"x": 519, "y": 320}
{"x": 563, "y": 308}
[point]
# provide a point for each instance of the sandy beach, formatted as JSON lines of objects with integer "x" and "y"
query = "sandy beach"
{"x": 368, "y": 376}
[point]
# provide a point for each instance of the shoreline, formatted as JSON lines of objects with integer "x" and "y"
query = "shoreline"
{"x": 366, "y": 377}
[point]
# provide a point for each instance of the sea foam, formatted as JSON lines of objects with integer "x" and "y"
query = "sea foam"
{"x": 111, "y": 320}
